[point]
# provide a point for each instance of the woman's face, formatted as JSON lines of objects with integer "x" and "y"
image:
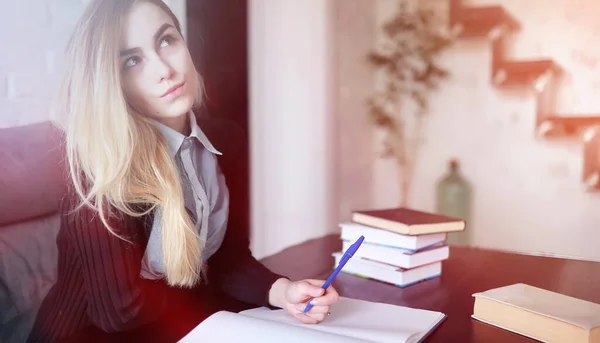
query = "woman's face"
{"x": 157, "y": 72}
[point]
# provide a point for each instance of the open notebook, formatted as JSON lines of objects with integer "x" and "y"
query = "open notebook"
{"x": 350, "y": 321}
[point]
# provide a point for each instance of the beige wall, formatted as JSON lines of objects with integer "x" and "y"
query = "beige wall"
{"x": 292, "y": 129}
{"x": 528, "y": 193}
{"x": 355, "y": 32}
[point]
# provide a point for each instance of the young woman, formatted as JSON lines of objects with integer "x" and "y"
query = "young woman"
{"x": 151, "y": 241}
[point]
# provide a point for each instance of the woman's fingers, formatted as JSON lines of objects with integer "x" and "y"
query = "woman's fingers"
{"x": 330, "y": 297}
{"x": 306, "y": 319}
{"x": 314, "y": 315}
{"x": 320, "y": 309}
{"x": 315, "y": 309}
{"x": 310, "y": 318}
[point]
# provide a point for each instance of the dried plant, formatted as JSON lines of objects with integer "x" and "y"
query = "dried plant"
{"x": 406, "y": 60}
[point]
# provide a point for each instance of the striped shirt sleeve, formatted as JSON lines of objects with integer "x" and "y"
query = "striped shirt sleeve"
{"x": 118, "y": 298}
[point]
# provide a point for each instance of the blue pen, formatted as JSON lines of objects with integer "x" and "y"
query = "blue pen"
{"x": 347, "y": 255}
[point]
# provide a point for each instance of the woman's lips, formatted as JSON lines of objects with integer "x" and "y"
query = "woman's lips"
{"x": 173, "y": 91}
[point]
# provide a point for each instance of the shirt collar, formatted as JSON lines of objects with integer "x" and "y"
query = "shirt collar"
{"x": 175, "y": 139}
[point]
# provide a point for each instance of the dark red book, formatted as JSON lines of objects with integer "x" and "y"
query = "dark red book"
{"x": 408, "y": 221}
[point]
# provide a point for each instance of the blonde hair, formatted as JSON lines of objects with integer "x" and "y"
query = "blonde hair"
{"x": 115, "y": 160}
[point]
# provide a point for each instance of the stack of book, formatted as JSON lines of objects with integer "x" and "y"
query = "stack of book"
{"x": 401, "y": 246}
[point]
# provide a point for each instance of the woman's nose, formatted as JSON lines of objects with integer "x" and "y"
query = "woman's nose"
{"x": 163, "y": 69}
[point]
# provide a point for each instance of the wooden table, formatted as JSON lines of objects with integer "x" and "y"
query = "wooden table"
{"x": 467, "y": 271}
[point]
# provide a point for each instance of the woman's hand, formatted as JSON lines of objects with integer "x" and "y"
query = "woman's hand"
{"x": 293, "y": 296}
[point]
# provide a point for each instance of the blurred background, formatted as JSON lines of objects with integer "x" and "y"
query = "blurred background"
{"x": 514, "y": 111}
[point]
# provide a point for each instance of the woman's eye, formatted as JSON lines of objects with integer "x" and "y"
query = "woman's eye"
{"x": 166, "y": 41}
{"x": 131, "y": 61}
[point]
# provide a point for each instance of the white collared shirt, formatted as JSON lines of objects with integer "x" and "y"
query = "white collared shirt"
{"x": 205, "y": 193}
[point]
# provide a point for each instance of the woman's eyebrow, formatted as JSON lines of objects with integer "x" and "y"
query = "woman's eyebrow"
{"x": 157, "y": 35}
{"x": 162, "y": 29}
{"x": 128, "y": 52}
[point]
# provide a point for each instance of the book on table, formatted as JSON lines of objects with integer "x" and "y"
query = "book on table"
{"x": 392, "y": 257}
{"x": 407, "y": 221}
{"x": 352, "y": 231}
{"x": 351, "y": 321}
{"x": 539, "y": 314}
{"x": 388, "y": 273}
{"x": 400, "y": 257}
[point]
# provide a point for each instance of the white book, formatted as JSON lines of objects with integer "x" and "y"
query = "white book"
{"x": 400, "y": 257}
{"x": 351, "y": 321}
{"x": 384, "y": 272}
{"x": 352, "y": 231}
{"x": 539, "y": 313}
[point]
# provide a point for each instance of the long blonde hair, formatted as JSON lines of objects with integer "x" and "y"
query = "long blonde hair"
{"x": 117, "y": 158}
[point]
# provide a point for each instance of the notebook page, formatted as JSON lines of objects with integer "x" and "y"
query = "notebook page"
{"x": 228, "y": 327}
{"x": 371, "y": 321}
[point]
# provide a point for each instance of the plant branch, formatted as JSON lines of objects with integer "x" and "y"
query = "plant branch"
{"x": 407, "y": 59}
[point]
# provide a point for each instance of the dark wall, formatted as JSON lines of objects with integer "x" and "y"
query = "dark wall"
{"x": 217, "y": 39}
